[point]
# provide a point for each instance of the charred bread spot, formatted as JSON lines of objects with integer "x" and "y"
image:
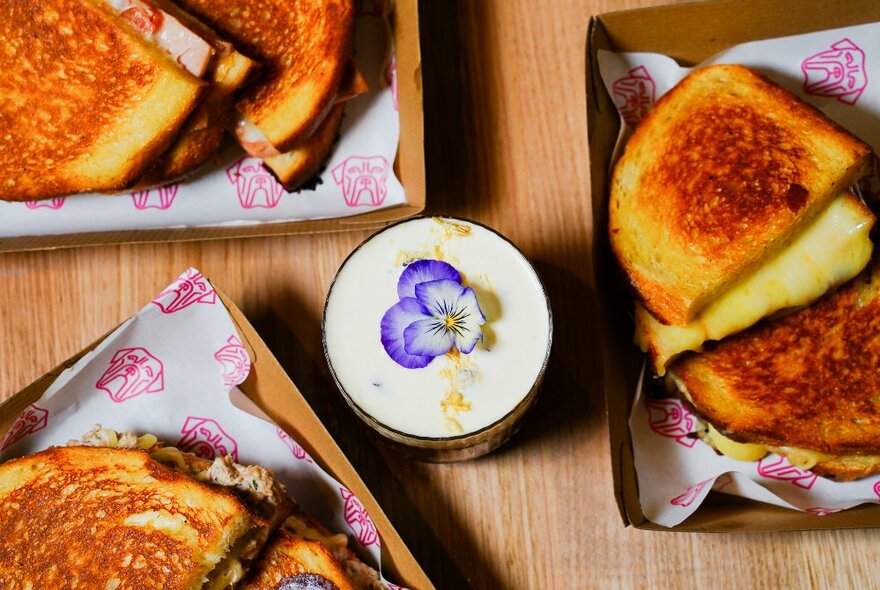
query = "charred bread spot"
{"x": 306, "y": 582}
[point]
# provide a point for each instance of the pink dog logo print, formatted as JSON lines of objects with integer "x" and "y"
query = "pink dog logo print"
{"x": 206, "y": 438}
{"x": 235, "y": 361}
{"x": 56, "y": 203}
{"x": 877, "y": 488}
{"x": 158, "y": 198}
{"x": 358, "y": 520}
{"x": 669, "y": 418}
{"x": 33, "y": 419}
{"x": 363, "y": 180}
{"x": 838, "y": 72}
{"x": 256, "y": 188}
{"x": 634, "y": 94}
{"x": 390, "y": 76}
{"x": 132, "y": 371}
{"x": 295, "y": 450}
{"x": 690, "y": 495}
{"x": 819, "y": 511}
{"x": 775, "y": 467}
{"x": 191, "y": 287}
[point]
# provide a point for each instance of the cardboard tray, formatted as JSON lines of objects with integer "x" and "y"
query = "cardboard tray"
{"x": 270, "y": 387}
{"x": 689, "y": 33}
{"x": 409, "y": 166}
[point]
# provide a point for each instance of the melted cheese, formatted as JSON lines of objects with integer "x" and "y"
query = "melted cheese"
{"x": 831, "y": 250}
{"x": 735, "y": 450}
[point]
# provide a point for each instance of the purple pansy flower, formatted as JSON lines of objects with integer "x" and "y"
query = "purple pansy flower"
{"x": 434, "y": 315}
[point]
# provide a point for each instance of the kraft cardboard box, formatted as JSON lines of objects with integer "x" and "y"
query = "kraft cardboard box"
{"x": 273, "y": 391}
{"x": 409, "y": 167}
{"x": 689, "y": 33}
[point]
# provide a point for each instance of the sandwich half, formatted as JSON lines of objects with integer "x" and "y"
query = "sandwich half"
{"x": 805, "y": 386}
{"x": 226, "y": 71}
{"x": 86, "y": 101}
{"x": 255, "y": 486}
{"x": 303, "y": 552}
{"x": 113, "y": 518}
{"x": 723, "y": 178}
{"x": 304, "y": 48}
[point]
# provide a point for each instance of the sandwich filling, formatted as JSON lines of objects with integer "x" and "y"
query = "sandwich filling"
{"x": 748, "y": 451}
{"x": 832, "y": 249}
{"x": 158, "y": 26}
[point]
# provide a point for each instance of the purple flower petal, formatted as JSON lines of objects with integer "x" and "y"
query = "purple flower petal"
{"x": 439, "y": 297}
{"x": 428, "y": 337}
{"x": 394, "y": 322}
{"x": 470, "y": 319}
{"x": 422, "y": 271}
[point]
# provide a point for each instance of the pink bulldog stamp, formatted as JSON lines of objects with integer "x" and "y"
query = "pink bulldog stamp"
{"x": 634, "y": 94}
{"x": 297, "y": 451}
{"x": 255, "y": 187}
{"x": 207, "y": 439}
{"x": 358, "y": 520}
{"x": 132, "y": 372}
{"x": 877, "y": 488}
{"x": 56, "y": 203}
{"x": 390, "y": 76}
{"x": 155, "y": 198}
{"x": 234, "y": 360}
{"x": 776, "y": 467}
{"x": 189, "y": 288}
{"x": 838, "y": 72}
{"x": 669, "y": 418}
{"x": 819, "y": 511}
{"x": 363, "y": 180}
{"x": 33, "y": 419}
{"x": 690, "y": 495}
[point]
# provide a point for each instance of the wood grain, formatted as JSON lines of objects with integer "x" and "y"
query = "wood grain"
{"x": 506, "y": 145}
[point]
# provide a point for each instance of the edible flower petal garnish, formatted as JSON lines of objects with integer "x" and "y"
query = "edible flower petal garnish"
{"x": 435, "y": 314}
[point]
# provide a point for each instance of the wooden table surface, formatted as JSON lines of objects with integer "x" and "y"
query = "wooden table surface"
{"x": 506, "y": 145}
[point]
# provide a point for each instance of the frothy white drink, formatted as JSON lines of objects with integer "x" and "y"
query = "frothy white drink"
{"x": 415, "y": 368}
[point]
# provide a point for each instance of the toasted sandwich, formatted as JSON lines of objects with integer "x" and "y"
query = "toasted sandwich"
{"x": 727, "y": 180}
{"x": 226, "y": 71}
{"x": 303, "y": 551}
{"x": 302, "y": 163}
{"x": 305, "y": 49}
{"x": 114, "y": 518}
{"x": 88, "y": 100}
{"x": 255, "y": 487}
{"x": 805, "y": 386}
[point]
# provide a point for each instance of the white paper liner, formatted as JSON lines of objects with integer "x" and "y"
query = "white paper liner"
{"x": 835, "y": 71}
{"x": 234, "y": 189}
{"x": 172, "y": 370}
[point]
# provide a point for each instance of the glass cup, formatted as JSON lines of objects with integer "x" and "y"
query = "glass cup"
{"x": 428, "y": 403}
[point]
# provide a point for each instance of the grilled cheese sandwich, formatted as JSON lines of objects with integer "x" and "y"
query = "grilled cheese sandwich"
{"x": 720, "y": 177}
{"x": 829, "y": 251}
{"x": 805, "y": 386}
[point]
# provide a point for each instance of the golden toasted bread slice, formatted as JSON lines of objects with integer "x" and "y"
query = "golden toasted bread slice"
{"x": 719, "y": 176}
{"x": 806, "y": 385}
{"x": 304, "y": 47}
{"x": 91, "y": 517}
{"x": 302, "y": 163}
{"x": 831, "y": 249}
{"x": 85, "y": 102}
{"x": 289, "y": 561}
{"x": 254, "y": 485}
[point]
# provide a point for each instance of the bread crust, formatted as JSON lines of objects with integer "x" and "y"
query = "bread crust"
{"x": 808, "y": 380}
{"x": 720, "y": 174}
